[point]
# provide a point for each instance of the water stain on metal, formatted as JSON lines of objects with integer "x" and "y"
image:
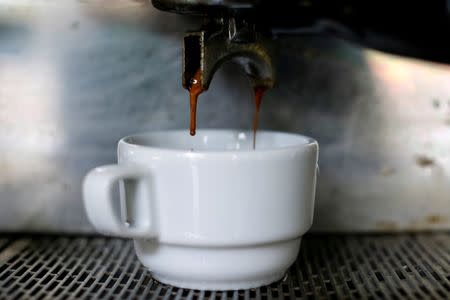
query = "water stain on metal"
{"x": 387, "y": 171}
{"x": 386, "y": 225}
{"x": 66, "y": 186}
{"x": 75, "y": 25}
{"x": 436, "y": 103}
{"x": 436, "y": 219}
{"x": 13, "y": 249}
{"x": 424, "y": 161}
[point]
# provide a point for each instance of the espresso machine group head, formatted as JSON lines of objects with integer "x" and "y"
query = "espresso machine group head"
{"x": 241, "y": 30}
{"x": 230, "y": 32}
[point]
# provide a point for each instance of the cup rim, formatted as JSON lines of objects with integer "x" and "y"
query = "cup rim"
{"x": 310, "y": 142}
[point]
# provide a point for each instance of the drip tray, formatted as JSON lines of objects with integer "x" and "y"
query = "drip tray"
{"x": 414, "y": 266}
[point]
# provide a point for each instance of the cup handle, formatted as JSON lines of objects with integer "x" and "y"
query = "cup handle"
{"x": 107, "y": 216}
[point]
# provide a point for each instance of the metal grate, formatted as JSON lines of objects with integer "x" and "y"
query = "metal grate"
{"x": 414, "y": 266}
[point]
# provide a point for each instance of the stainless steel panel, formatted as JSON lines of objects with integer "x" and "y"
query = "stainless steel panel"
{"x": 75, "y": 76}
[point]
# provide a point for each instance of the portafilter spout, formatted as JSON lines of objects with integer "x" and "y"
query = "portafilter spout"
{"x": 229, "y": 34}
{"x": 223, "y": 40}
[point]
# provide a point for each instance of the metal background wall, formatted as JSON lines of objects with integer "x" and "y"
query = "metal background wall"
{"x": 75, "y": 76}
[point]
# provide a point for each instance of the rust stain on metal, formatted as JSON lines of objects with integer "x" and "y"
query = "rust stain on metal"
{"x": 428, "y": 222}
{"x": 436, "y": 219}
{"x": 424, "y": 161}
{"x": 386, "y": 225}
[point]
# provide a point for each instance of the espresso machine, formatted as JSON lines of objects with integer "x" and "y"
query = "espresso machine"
{"x": 370, "y": 80}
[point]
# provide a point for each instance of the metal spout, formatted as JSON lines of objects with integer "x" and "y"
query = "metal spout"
{"x": 206, "y": 50}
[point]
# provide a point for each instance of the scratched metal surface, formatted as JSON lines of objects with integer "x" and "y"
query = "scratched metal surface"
{"x": 75, "y": 76}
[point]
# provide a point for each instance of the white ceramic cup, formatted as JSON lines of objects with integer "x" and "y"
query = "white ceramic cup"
{"x": 208, "y": 212}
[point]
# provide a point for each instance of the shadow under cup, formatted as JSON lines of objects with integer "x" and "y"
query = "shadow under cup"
{"x": 210, "y": 212}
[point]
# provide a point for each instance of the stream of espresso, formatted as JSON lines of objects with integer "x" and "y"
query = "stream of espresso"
{"x": 259, "y": 92}
{"x": 195, "y": 89}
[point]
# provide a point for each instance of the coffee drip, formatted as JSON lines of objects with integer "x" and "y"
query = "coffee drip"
{"x": 195, "y": 89}
{"x": 258, "y": 94}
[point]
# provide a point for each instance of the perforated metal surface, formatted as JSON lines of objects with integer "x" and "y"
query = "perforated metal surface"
{"x": 329, "y": 267}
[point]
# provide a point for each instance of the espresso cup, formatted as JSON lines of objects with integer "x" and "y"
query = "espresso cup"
{"x": 208, "y": 212}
